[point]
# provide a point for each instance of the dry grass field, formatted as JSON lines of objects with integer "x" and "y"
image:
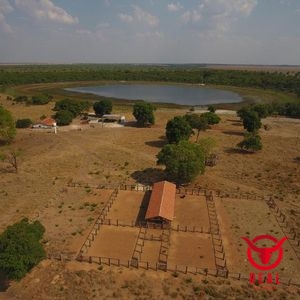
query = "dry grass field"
{"x": 114, "y": 155}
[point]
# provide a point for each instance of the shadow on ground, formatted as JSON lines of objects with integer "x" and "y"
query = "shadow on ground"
{"x": 143, "y": 209}
{"x": 237, "y": 151}
{"x": 156, "y": 144}
{"x": 232, "y": 132}
{"x": 148, "y": 176}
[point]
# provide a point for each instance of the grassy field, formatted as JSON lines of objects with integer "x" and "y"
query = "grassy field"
{"x": 113, "y": 155}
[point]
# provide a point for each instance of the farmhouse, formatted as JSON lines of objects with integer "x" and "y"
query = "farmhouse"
{"x": 162, "y": 203}
{"x": 45, "y": 124}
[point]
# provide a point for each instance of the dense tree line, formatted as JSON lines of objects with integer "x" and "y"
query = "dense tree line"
{"x": 287, "y": 82}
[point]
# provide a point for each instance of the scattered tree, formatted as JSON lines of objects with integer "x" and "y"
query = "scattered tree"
{"x": 23, "y": 123}
{"x": 197, "y": 122}
{"x": 11, "y": 157}
{"x": 20, "y": 249}
{"x": 251, "y": 121}
{"x": 144, "y": 113}
{"x": 7, "y": 126}
{"x": 211, "y": 118}
{"x": 75, "y": 107}
{"x": 207, "y": 145}
{"x": 211, "y": 108}
{"x": 263, "y": 110}
{"x": 183, "y": 161}
{"x": 252, "y": 142}
{"x": 178, "y": 129}
{"x": 103, "y": 107}
{"x": 63, "y": 117}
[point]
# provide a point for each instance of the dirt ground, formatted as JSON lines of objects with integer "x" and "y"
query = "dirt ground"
{"x": 115, "y": 155}
{"x": 129, "y": 207}
{"x": 191, "y": 249}
{"x": 240, "y": 217}
{"x": 191, "y": 211}
{"x": 114, "y": 242}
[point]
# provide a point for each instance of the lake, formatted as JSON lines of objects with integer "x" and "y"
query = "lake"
{"x": 177, "y": 94}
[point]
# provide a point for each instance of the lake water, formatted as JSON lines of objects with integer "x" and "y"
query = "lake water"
{"x": 178, "y": 94}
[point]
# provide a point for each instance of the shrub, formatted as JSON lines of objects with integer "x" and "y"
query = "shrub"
{"x": 251, "y": 142}
{"x": 63, "y": 117}
{"x": 144, "y": 113}
{"x": 211, "y": 118}
{"x": 178, "y": 129}
{"x": 23, "y": 123}
{"x": 20, "y": 249}
{"x": 103, "y": 107}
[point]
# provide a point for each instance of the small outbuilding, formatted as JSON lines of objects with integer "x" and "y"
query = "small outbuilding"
{"x": 162, "y": 203}
{"x": 45, "y": 124}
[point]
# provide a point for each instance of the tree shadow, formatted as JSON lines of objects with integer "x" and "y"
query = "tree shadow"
{"x": 148, "y": 176}
{"x": 4, "y": 283}
{"x": 156, "y": 144}
{"x": 237, "y": 151}
{"x": 143, "y": 208}
{"x": 231, "y": 132}
{"x": 130, "y": 124}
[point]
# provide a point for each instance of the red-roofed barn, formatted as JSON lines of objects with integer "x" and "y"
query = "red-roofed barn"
{"x": 162, "y": 203}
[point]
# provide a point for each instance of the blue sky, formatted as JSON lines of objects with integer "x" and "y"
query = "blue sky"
{"x": 152, "y": 31}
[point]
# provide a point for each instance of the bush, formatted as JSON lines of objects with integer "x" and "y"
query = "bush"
{"x": 251, "y": 142}
{"x": 20, "y": 249}
{"x": 7, "y": 126}
{"x": 178, "y": 129}
{"x": 20, "y": 99}
{"x": 103, "y": 107}
{"x": 183, "y": 161}
{"x": 40, "y": 100}
{"x": 23, "y": 123}
{"x": 63, "y": 117}
{"x": 211, "y": 108}
{"x": 75, "y": 107}
{"x": 211, "y": 118}
{"x": 144, "y": 113}
{"x": 251, "y": 121}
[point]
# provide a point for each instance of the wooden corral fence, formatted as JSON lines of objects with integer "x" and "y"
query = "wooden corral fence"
{"x": 286, "y": 227}
{"x": 219, "y": 251}
{"x": 94, "y": 231}
{"x": 109, "y": 261}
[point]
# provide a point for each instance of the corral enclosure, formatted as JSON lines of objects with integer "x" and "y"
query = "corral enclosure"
{"x": 123, "y": 236}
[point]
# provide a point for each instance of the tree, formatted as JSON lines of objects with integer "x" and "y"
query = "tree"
{"x": 252, "y": 142}
{"x": 23, "y": 123}
{"x": 178, "y": 129}
{"x": 144, "y": 113}
{"x": 211, "y": 108}
{"x": 211, "y": 118}
{"x": 197, "y": 122}
{"x": 263, "y": 110}
{"x": 75, "y": 107}
{"x": 103, "y": 107}
{"x": 251, "y": 121}
{"x": 20, "y": 249}
{"x": 183, "y": 161}
{"x": 11, "y": 156}
{"x": 7, "y": 126}
{"x": 63, "y": 117}
{"x": 206, "y": 145}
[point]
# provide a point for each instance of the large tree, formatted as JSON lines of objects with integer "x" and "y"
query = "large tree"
{"x": 251, "y": 121}
{"x": 20, "y": 249}
{"x": 7, "y": 126}
{"x": 75, "y": 107}
{"x": 144, "y": 113}
{"x": 211, "y": 117}
{"x": 197, "y": 122}
{"x": 178, "y": 129}
{"x": 63, "y": 117}
{"x": 103, "y": 107}
{"x": 183, "y": 161}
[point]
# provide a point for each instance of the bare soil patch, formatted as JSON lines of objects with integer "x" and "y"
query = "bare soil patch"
{"x": 191, "y": 211}
{"x": 191, "y": 249}
{"x": 114, "y": 242}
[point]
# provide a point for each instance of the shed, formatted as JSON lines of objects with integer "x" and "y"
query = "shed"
{"x": 45, "y": 123}
{"x": 162, "y": 203}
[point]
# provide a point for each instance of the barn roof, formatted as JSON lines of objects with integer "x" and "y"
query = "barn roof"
{"x": 48, "y": 122}
{"x": 162, "y": 201}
